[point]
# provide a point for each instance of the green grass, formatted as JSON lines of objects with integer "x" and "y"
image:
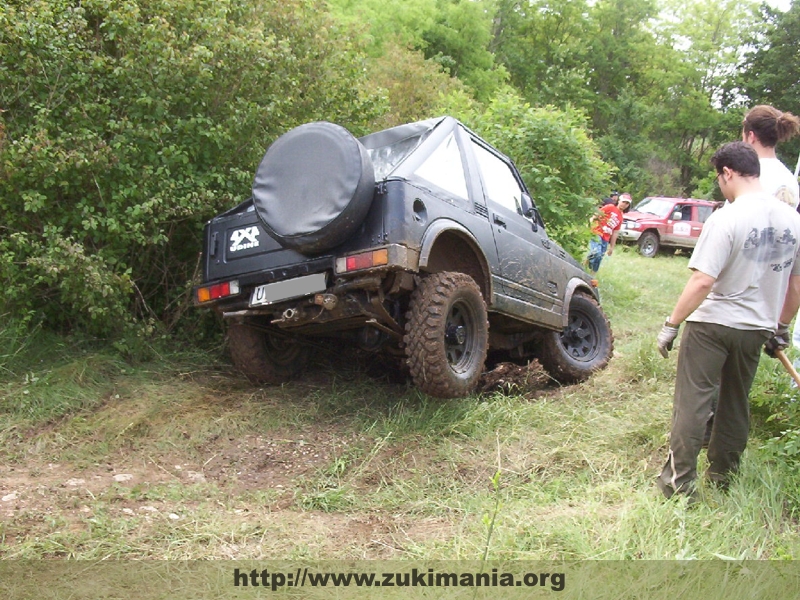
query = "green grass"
{"x": 342, "y": 465}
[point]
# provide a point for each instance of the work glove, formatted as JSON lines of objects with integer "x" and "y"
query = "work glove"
{"x": 779, "y": 341}
{"x": 665, "y": 338}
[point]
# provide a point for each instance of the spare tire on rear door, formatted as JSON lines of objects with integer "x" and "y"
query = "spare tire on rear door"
{"x": 314, "y": 187}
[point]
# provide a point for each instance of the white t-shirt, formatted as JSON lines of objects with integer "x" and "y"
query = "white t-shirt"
{"x": 750, "y": 246}
{"x": 779, "y": 181}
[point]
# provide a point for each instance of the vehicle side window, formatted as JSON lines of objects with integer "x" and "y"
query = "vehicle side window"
{"x": 703, "y": 213}
{"x": 500, "y": 185}
{"x": 686, "y": 211}
{"x": 445, "y": 169}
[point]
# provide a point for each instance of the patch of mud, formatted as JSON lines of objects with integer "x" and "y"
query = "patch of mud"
{"x": 278, "y": 460}
{"x": 529, "y": 381}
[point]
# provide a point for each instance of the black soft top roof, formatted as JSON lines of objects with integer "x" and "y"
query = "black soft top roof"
{"x": 387, "y": 137}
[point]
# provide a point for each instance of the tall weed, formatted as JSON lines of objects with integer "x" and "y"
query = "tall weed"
{"x": 16, "y": 337}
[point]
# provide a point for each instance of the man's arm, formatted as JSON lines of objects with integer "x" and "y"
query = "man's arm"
{"x": 792, "y": 301}
{"x": 612, "y": 242}
{"x": 695, "y": 291}
{"x": 693, "y": 294}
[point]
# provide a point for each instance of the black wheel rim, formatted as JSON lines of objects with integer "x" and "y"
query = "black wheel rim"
{"x": 459, "y": 337}
{"x": 580, "y": 338}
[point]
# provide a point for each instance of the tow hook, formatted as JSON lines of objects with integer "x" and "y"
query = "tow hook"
{"x": 326, "y": 301}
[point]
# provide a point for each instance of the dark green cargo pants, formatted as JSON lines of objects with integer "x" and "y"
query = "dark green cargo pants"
{"x": 711, "y": 357}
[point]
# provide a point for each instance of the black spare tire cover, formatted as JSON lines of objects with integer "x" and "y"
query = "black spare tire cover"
{"x": 314, "y": 187}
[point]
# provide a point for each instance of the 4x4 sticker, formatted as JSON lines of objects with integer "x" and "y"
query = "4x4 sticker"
{"x": 242, "y": 239}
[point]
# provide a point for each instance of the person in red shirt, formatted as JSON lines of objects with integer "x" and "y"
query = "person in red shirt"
{"x": 605, "y": 229}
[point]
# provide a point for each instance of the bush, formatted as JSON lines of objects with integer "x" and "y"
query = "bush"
{"x": 413, "y": 86}
{"x": 776, "y": 411}
{"x": 125, "y": 125}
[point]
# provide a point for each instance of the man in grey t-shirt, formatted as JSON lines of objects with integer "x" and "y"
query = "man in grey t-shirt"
{"x": 745, "y": 285}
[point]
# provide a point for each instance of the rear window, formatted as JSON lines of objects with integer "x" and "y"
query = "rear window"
{"x": 703, "y": 212}
{"x": 444, "y": 168}
{"x": 387, "y": 158}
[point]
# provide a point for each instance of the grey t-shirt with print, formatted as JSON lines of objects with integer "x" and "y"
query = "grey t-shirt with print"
{"x": 751, "y": 247}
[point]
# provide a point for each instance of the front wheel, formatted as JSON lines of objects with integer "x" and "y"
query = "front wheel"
{"x": 583, "y": 347}
{"x": 447, "y": 335}
{"x": 264, "y": 357}
{"x": 648, "y": 244}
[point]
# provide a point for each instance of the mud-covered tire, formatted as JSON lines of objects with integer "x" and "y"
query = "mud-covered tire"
{"x": 649, "y": 244}
{"x": 314, "y": 187}
{"x": 583, "y": 347}
{"x": 265, "y": 358}
{"x": 446, "y": 335}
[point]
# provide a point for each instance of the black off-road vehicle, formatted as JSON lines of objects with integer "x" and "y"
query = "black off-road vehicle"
{"x": 420, "y": 242}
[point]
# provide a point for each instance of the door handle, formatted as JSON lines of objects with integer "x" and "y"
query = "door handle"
{"x": 499, "y": 221}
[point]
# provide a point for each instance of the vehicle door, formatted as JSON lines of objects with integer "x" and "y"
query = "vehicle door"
{"x": 527, "y": 267}
{"x": 683, "y": 226}
{"x": 703, "y": 212}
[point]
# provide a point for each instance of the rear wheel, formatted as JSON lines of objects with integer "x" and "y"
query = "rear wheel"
{"x": 584, "y": 346}
{"x": 447, "y": 335}
{"x": 648, "y": 244}
{"x": 265, "y": 357}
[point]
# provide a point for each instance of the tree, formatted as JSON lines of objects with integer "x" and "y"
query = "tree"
{"x": 770, "y": 73}
{"x": 455, "y": 35}
{"x": 388, "y": 25}
{"x": 414, "y": 86}
{"x": 459, "y": 40}
{"x": 541, "y": 44}
{"x": 704, "y": 41}
{"x": 619, "y": 52}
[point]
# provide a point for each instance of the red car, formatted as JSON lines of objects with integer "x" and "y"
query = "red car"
{"x": 658, "y": 222}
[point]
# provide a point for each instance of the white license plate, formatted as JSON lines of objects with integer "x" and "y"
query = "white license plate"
{"x": 285, "y": 290}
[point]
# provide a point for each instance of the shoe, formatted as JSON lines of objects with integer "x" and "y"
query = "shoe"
{"x": 687, "y": 490}
{"x": 721, "y": 482}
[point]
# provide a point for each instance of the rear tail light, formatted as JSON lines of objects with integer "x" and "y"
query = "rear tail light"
{"x": 217, "y": 291}
{"x": 363, "y": 260}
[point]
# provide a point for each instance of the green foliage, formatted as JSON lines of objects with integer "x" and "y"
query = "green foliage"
{"x": 393, "y": 23}
{"x": 767, "y": 77}
{"x": 654, "y": 78}
{"x": 695, "y": 78}
{"x": 559, "y": 162}
{"x": 459, "y": 40}
{"x": 776, "y": 407}
{"x": 16, "y": 338}
{"x": 542, "y": 45}
{"x": 455, "y": 36}
{"x": 618, "y": 51}
{"x": 628, "y": 145}
{"x": 126, "y": 125}
{"x": 414, "y": 87}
